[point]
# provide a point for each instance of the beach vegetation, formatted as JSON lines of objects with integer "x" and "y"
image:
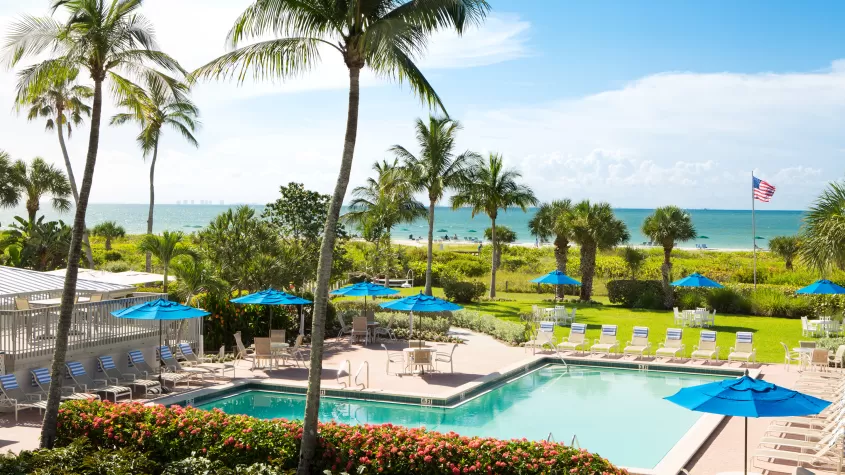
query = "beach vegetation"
{"x": 504, "y": 236}
{"x": 462, "y": 291}
{"x": 165, "y": 247}
{"x": 36, "y": 180}
{"x": 8, "y": 192}
{"x": 667, "y": 226}
{"x": 787, "y": 248}
{"x": 109, "y": 231}
{"x": 634, "y": 259}
{"x": 594, "y": 228}
{"x": 39, "y": 245}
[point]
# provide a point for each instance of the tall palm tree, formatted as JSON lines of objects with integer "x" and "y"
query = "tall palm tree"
{"x": 161, "y": 101}
{"x": 549, "y": 223}
{"x": 384, "y": 35}
{"x": 487, "y": 187}
{"x": 823, "y": 231}
{"x": 165, "y": 248}
{"x": 787, "y": 247}
{"x": 102, "y": 38}
{"x": 594, "y": 227}
{"x": 108, "y": 230}
{"x": 63, "y": 101}
{"x": 8, "y": 192}
{"x": 668, "y": 225}
{"x": 435, "y": 171}
{"x": 38, "y": 179}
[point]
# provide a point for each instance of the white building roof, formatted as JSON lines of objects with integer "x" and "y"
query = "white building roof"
{"x": 129, "y": 277}
{"x": 18, "y": 281}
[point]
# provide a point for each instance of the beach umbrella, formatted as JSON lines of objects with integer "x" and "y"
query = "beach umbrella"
{"x": 747, "y": 397}
{"x": 420, "y": 303}
{"x": 556, "y": 278}
{"x": 696, "y": 280}
{"x": 821, "y": 287}
{"x": 160, "y": 310}
{"x": 274, "y": 297}
{"x": 365, "y": 289}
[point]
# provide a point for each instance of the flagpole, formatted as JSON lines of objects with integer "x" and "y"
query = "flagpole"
{"x": 753, "y": 231}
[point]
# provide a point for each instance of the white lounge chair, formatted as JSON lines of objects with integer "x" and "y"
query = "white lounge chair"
{"x": 825, "y": 453}
{"x": 674, "y": 343}
{"x": 43, "y": 379}
{"x": 706, "y": 348}
{"x": 13, "y": 396}
{"x": 83, "y": 381}
{"x": 743, "y": 349}
{"x": 607, "y": 342}
{"x": 543, "y": 338}
{"x": 139, "y": 365}
{"x": 115, "y": 376}
{"x": 577, "y": 339}
{"x": 190, "y": 357}
{"x": 639, "y": 344}
{"x": 173, "y": 365}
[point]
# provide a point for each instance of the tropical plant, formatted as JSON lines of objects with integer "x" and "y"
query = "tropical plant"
{"x": 384, "y": 35}
{"x": 8, "y": 192}
{"x": 196, "y": 275}
{"x": 161, "y": 101}
{"x": 634, "y": 259}
{"x": 38, "y": 245}
{"x": 108, "y": 230}
{"x": 487, "y": 187}
{"x": 63, "y": 101}
{"x": 435, "y": 171}
{"x": 594, "y": 228}
{"x": 786, "y": 247}
{"x": 668, "y": 225}
{"x": 99, "y": 37}
{"x": 549, "y": 223}
{"x": 36, "y": 180}
{"x": 504, "y": 235}
{"x": 823, "y": 231}
{"x": 164, "y": 247}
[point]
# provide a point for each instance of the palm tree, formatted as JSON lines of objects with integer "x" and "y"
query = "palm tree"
{"x": 504, "y": 235}
{"x": 63, "y": 101}
{"x": 163, "y": 102}
{"x": 435, "y": 171}
{"x": 384, "y": 35}
{"x": 634, "y": 259}
{"x": 196, "y": 275}
{"x": 823, "y": 231}
{"x": 668, "y": 225}
{"x": 787, "y": 247}
{"x": 488, "y": 187}
{"x": 594, "y": 227}
{"x": 99, "y": 37}
{"x": 165, "y": 248}
{"x": 38, "y": 179}
{"x": 8, "y": 192}
{"x": 550, "y": 223}
{"x": 109, "y": 230}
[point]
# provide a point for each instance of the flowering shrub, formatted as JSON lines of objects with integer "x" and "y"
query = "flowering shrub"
{"x": 177, "y": 433}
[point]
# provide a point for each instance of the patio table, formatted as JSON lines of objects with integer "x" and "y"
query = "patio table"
{"x": 277, "y": 349}
{"x": 54, "y": 302}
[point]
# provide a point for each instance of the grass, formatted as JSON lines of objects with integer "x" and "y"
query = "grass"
{"x": 768, "y": 331}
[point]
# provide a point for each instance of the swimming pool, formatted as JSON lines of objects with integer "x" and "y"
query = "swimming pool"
{"x": 617, "y": 413}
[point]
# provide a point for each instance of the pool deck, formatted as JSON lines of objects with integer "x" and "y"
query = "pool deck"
{"x": 482, "y": 358}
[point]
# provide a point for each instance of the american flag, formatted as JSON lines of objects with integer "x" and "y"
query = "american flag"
{"x": 763, "y": 191}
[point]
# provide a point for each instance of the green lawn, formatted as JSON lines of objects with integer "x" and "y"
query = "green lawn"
{"x": 768, "y": 331}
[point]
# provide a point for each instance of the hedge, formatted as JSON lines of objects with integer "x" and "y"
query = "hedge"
{"x": 165, "y": 435}
{"x": 636, "y": 293}
{"x": 462, "y": 292}
{"x": 509, "y": 332}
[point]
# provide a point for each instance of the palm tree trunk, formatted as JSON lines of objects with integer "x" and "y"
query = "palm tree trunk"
{"x": 666, "y": 270}
{"x": 588, "y": 269}
{"x": 324, "y": 271}
{"x": 32, "y": 209}
{"x": 89, "y": 256}
{"x": 164, "y": 281}
{"x": 430, "y": 247}
{"x": 149, "y": 258}
{"x": 561, "y": 258}
{"x": 49, "y": 426}
{"x": 494, "y": 264}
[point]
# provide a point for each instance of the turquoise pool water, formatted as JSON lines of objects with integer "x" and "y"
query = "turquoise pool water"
{"x": 617, "y": 413}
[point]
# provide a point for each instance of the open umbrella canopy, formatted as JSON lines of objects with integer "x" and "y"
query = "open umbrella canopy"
{"x": 696, "y": 280}
{"x": 822, "y": 287}
{"x": 421, "y": 303}
{"x": 365, "y": 289}
{"x": 556, "y": 277}
{"x": 271, "y": 297}
{"x": 160, "y": 310}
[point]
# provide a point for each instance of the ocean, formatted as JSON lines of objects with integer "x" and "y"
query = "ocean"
{"x": 725, "y": 229}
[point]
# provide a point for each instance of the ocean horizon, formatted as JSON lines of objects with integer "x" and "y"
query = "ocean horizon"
{"x": 724, "y": 229}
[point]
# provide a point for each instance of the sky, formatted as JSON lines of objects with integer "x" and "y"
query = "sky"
{"x": 640, "y": 104}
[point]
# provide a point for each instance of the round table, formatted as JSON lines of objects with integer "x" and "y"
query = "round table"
{"x": 409, "y": 360}
{"x": 278, "y": 349}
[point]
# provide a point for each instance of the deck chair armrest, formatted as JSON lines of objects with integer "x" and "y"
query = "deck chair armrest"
{"x": 694, "y": 347}
{"x": 36, "y": 397}
{"x": 129, "y": 376}
{"x": 73, "y": 389}
{"x": 104, "y": 382}
{"x": 629, "y": 343}
{"x": 732, "y": 349}
{"x": 596, "y": 341}
{"x": 661, "y": 344}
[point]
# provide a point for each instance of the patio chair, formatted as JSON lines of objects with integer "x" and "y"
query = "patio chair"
{"x": 359, "y": 330}
{"x": 808, "y": 328}
{"x": 393, "y": 357}
{"x": 139, "y": 365}
{"x": 577, "y": 339}
{"x": 263, "y": 352}
{"x": 544, "y": 337}
{"x": 295, "y": 352}
{"x": 191, "y": 358}
{"x": 639, "y": 344}
{"x": 819, "y": 359}
{"x": 344, "y": 328}
{"x": 172, "y": 364}
{"x": 672, "y": 345}
{"x": 790, "y": 356}
{"x": 422, "y": 359}
{"x": 444, "y": 357}
{"x": 679, "y": 317}
{"x": 386, "y": 331}
{"x": 561, "y": 317}
{"x": 243, "y": 352}
{"x": 95, "y": 298}
{"x": 14, "y": 396}
{"x": 114, "y": 375}
{"x": 706, "y": 348}
{"x": 572, "y": 316}
{"x": 86, "y": 383}
{"x": 42, "y": 379}
{"x": 837, "y": 359}
{"x": 607, "y": 342}
{"x": 743, "y": 349}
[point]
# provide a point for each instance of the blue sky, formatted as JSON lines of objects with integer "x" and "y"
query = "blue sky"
{"x": 637, "y": 103}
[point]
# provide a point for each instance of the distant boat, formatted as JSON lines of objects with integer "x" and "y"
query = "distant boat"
{"x": 442, "y": 231}
{"x": 472, "y": 231}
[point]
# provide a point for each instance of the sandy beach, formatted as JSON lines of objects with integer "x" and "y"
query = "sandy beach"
{"x": 463, "y": 243}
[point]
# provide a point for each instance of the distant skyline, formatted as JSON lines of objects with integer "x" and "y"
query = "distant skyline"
{"x": 641, "y": 104}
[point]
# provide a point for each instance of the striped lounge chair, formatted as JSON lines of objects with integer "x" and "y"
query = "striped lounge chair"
{"x": 607, "y": 342}
{"x": 639, "y": 344}
{"x": 577, "y": 339}
{"x": 82, "y": 380}
{"x": 544, "y": 337}
{"x": 743, "y": 349}
{"x": 706, "y": 348}
{"x": 13, "y": 396}
{"x": 140, "y": 366}
{"x": 673, "y": 345}
{"x": 41, "y": 378}
{"x": 114, "y": 375}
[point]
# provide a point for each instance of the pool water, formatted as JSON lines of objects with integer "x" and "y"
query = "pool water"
{"x": 619, "y": 414}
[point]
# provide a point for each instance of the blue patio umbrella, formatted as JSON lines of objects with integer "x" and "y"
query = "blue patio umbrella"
{"x": 421, "y": 303}
{"x": 365, "y": 289}
{"x": 160, "y": 310}
{"x": 822, "y": 287}
{"x": 697, "y": 280}
{"x": 747, "y": 397}
{"x": 556, "y": 278}
{"x": 274, "y": 297}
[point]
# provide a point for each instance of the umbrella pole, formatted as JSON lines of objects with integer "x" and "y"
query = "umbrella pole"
{"x": 745, "y": 449}
{"x": 160, "y": 382}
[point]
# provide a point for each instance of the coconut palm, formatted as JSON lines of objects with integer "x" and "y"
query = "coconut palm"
{"x": 102, "y": 38}
{"x": 634, "y": 259}
{"x": 39, "y": 179}
{"x": 487, "y": 187}
{"x": 196, "y": 275}
{"x": 165, "y": 248}
{"x": 162, "y": 101}
{"x": 594, "y": 228}
{"x": 504, "y": 235}
{"x": 549, "y": 223}
{"x": 8, "y": 192}
{"x": 823, "y": 231}
{"x": 668, "y": 225}
{"x": 787, "y": 247}
{"x": 436, "y": 170}
{"x": 385, "y": 35}
{"x": 108, "y": 230}
{"x": 63, "y": 102}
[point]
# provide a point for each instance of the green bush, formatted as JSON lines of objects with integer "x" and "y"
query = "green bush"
{"x": 691, "y": 298}
{"x": 503, "y": 330}
{"x": 728, "y": 300}
{"x": 463, "y": 292}
{"x": 78, "y": 457}
{"x": 466, "y": 266}
{"x": 437, "y": 323}
{"x": 112, "y": 256}
{"x": 772, "y": 303}
{"x": 636, "y": 293}
{"x": 115, "y": 266}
